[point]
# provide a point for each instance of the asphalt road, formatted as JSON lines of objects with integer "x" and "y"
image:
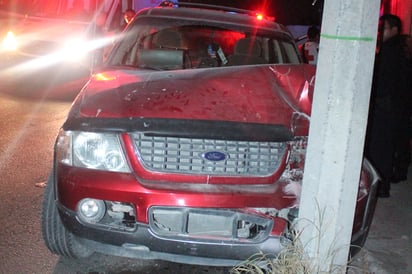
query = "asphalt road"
{"x": 27, "y": 132}
{"x": 31, "y": 114}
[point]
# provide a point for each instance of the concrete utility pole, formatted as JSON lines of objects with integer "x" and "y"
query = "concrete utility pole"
{"x": 337, "y": 130}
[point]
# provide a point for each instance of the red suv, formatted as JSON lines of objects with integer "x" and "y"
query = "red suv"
{"x": 189, "y": 144}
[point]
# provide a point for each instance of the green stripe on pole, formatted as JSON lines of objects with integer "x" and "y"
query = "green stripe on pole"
{"x": 347, "y": 38}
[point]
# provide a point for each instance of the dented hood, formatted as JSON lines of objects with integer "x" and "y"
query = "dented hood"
{"x": 249, "y": 94}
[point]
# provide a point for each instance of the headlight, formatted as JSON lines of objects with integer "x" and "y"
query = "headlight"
{"x": 75, "y": 49}
{"x": 10, "y": 42}
{"x": 92, "y": 150}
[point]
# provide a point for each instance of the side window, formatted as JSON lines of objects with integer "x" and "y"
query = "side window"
{"x": 290, "y": 54}
{"x": 283, "y": 52}
{"x": 276, "y": 53}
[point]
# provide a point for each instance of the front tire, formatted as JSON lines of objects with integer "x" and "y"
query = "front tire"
{"x": 56, "y": 237}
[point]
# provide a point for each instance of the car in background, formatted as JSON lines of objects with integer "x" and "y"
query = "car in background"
{"x": 74, "y": 33}
{"x": 48, "y": 32}
{"x": 188, "y": 145}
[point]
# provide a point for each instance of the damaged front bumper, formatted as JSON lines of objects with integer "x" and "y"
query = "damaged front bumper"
{"x": 214, "y": 237}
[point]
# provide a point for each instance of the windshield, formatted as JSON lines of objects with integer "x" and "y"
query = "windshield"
{"x": 82, "y": 10}
{"x": 181, "y": 44}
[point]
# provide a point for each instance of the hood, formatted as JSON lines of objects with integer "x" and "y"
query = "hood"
{"x": 249, "y": 94}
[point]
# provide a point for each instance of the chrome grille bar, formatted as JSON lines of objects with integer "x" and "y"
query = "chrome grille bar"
{"x": 188, "y": 156}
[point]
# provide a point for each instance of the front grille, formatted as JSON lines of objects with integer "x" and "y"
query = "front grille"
{"x": 189, "y": 156}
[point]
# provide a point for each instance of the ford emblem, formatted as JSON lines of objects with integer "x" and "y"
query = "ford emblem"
{"x": 214, "y": 156}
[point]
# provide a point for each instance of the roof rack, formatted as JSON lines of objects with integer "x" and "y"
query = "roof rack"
{"x": 173, "y": 4}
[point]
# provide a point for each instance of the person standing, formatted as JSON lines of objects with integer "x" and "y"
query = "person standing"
{"x": 389, "y": 86}
{"x": 403, "y": 134}
{"x": 310, "y": 48}
{"x": 127, "y": 17}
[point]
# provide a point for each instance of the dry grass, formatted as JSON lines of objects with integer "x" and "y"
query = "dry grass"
{"x": 293, "y": 260}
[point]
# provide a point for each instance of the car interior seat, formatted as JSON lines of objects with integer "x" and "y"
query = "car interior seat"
{"x": 164, "y": 51}
{"x": 247, "y": 51}
{"x": 167, "y": 39}
{"x": 170, "y": 39}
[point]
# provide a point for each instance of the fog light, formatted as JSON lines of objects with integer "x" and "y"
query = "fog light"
{"x": 91, "y": 210}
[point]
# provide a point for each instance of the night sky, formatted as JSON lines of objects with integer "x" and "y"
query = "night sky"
{"x": 287, "y": 12}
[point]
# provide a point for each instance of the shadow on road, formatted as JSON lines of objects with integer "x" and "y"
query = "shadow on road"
{"x": 115, "y": 265}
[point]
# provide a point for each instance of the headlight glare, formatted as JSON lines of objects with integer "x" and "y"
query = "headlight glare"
{"x": 10, "y": 42}
{"x": 75, "y": 49}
